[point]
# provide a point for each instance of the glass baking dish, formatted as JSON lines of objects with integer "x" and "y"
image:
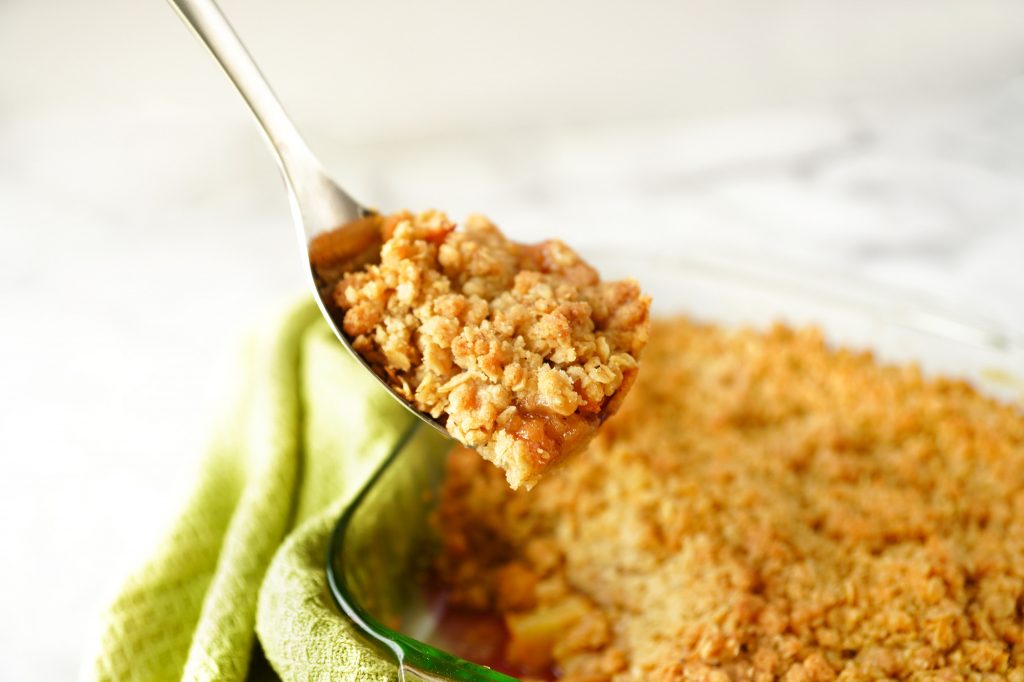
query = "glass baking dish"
{"x": 383, "y": 542}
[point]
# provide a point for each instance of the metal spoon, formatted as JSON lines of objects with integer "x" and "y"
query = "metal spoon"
{"x": 318, "y": 203}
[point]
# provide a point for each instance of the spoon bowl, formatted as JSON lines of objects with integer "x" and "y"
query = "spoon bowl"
{"x": 319, "y": 205}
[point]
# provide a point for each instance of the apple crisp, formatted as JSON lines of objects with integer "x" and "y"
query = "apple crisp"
{"x": 763, "y": 507}
{"x": 520, "y": 351}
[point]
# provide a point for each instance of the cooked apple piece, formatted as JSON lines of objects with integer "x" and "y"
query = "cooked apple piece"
{"x": 533, "y": 635}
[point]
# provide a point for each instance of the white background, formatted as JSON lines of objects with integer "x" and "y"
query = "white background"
{"x": 143, "y": 226}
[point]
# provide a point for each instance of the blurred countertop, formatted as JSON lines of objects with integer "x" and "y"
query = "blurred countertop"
{"x": 144, "y": 227}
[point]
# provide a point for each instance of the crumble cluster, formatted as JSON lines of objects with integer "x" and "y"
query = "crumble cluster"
{"x": 762, "y": 508}
{"x": 520, "y": 350}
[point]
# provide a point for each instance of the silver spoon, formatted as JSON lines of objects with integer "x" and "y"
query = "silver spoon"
{"x": 318, "y": 204}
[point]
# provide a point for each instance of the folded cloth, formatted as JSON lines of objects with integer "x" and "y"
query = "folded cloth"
{"x": 247, "y": 553}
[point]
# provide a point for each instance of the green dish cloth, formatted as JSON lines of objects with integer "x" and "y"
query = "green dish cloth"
{"x": 246, "y": 555}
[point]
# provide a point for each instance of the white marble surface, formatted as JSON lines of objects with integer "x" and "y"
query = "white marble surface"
{"x": 142, "y": 226}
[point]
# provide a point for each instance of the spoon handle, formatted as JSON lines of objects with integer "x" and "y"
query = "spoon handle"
{"x": 317, "y": 202}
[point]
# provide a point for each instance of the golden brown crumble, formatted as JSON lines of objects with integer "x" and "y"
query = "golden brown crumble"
{"x": 520, "y": 350}
{"x": 763, "y": 507}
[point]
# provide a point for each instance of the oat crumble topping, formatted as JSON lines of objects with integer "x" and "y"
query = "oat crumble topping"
{"x": 763, "y": 507}
{"x": 520, "y": 350}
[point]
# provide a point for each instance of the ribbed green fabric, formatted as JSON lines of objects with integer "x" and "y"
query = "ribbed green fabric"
{"x": 306, "y": 428}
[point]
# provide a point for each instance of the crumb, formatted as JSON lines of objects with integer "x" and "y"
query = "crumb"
{"x": 763, "y": 507}
{"x": 521, "y": 351}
